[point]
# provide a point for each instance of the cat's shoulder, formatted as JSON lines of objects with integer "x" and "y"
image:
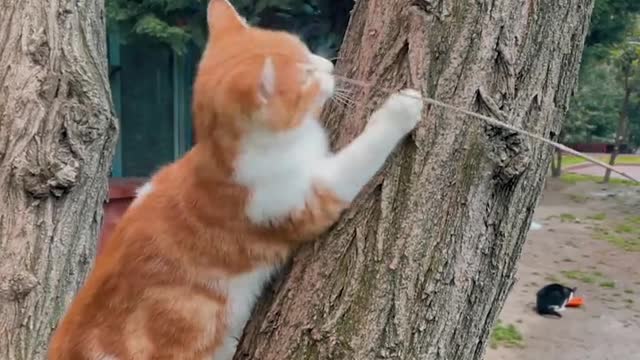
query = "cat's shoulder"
{"x": 554, "y": 288}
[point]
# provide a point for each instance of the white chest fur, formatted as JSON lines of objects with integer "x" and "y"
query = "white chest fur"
{"x": 242, "y": 293}
{"x": 278, "y": 169}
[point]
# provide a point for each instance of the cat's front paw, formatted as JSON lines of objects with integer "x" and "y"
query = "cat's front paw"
{"x": 400, "y": 112}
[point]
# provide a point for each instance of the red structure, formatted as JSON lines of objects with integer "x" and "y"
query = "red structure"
{"x": 600, "y": 148}
{"x": 596, "y": 148}
{"x": 121, "y": 194}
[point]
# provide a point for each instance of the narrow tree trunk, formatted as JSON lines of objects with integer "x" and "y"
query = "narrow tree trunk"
{"x": 621, "y": 130}
{"x": 612, "y": 162}
{"x": 556, "y": 163}
{"x": 419, "y": 268}
{"x": 57, "y": 134}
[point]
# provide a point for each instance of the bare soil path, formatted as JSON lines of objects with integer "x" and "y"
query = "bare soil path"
{"x": 590, "y": 238}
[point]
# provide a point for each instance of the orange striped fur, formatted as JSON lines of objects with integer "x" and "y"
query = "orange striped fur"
{"x": 181, "y": 272}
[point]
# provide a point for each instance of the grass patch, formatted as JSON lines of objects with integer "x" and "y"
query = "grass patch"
{"x": 570, "y": 160}
{"x": 608, "y": 284}
{"x": 585, "y": 277}
{"x": 634, "y": 220}
{"x": 571, "y": 178}
{"x": 624, "y": 235}
{"x": 593, "y": 277}
{"x": 628, "y": 291}
{"x": 598, "y": 217}
{"x": 625, "y": 229}
{"x": 626, "y": 159}
{"x": 629, "y": 301}
{"x": 626, "y": 243}
{"x": 568, "y": 218}
{"x": 578, "y": 198}
{"x": 506, "y": 335}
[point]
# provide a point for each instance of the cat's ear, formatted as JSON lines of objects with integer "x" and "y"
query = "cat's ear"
{"x": 223, "y": 18}
{"x": 267, "y": 85}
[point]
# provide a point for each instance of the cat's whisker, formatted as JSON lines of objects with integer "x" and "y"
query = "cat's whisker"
{"x": 339, "y": 101}
{"x": 344, "y": 91}
{"x": 489, "y": 120}
{"x": 347, "y": 101}
{"x": 350, "y": 101}
{"x": 344, "y": 99}
{"x": 343, "y": 94}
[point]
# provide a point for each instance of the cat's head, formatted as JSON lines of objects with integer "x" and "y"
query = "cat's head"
{"x": 569, "y": 293}
{"x": 258, "y": 77}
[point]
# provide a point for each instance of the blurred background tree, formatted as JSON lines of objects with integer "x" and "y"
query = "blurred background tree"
{"x": 610, "y": 23}
{"x": 321, "y": 23}
{"x": 598, "y": 101}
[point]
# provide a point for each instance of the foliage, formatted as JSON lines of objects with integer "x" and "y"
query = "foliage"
{"x": 610, "y": 22}
{"x": 598, "y": 102}
{"x": 177, "y": 23}
{"x": 595, "y": 106}
{"x": 173, "y": 22}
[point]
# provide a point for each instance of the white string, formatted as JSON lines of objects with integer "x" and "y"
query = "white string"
{"x": 498, "y": 123}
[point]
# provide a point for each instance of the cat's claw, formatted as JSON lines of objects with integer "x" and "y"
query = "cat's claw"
{"x": 401, "y": 111}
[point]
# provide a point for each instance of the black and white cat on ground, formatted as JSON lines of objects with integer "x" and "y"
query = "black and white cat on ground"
{"x": 553, "y": 298}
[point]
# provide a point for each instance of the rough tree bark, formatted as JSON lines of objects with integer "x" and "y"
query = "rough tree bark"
{"x": 421, "y": 265}
{"x": 57, "y": 134}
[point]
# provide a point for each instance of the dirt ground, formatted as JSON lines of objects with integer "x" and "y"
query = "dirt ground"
{"x": 570, "y": 249}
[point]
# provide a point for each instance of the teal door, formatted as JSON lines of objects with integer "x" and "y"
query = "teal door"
{"x": 151, "y": 89}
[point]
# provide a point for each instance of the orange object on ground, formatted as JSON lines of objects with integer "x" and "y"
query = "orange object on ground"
{"x": 576, "y": 302}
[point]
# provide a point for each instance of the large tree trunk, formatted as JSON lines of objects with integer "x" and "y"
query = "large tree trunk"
{"x": 420, "y": 266}
{"x": 57, "y": 134}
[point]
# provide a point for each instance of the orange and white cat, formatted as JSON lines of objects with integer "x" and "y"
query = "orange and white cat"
{"x": 180, "y": 275}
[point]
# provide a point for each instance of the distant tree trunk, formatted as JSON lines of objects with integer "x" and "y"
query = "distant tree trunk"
{"x": 621, "y": 131}
{"x": 57, "y": 134}
{"x": 556, "y": 163}
{"x": 421, "y": 265}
